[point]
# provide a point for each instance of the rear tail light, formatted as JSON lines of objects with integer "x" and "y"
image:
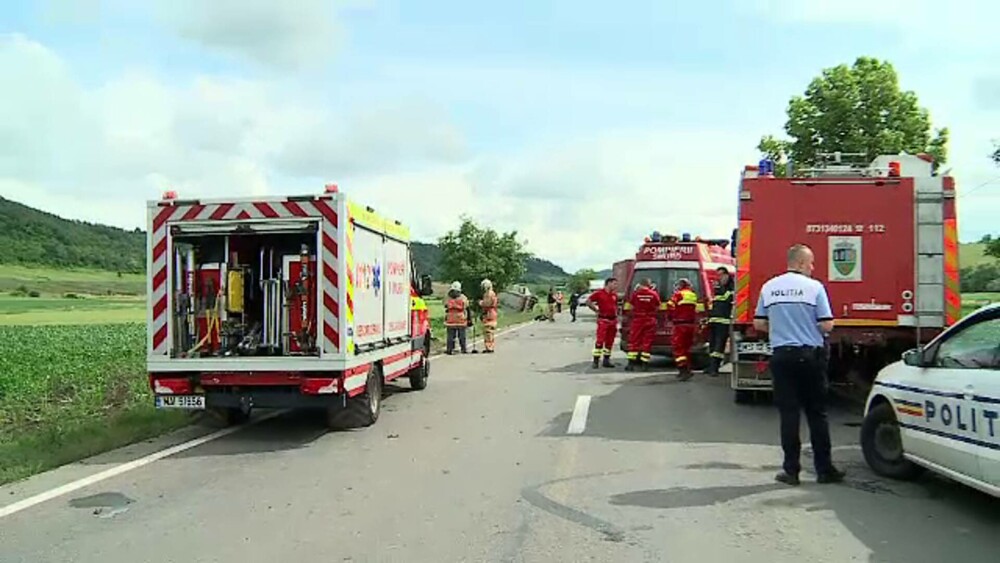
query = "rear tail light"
{"x": 170, "y": 385}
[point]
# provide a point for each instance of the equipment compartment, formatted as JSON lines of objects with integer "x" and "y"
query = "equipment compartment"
{"x": 244, "y": 294}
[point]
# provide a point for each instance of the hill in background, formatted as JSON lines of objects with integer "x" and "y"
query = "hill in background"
{"x": 29, "y": 237}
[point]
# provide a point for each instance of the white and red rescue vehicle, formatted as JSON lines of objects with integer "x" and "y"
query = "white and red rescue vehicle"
{"x": 665, "y": 260}
{"x": 282, "y": 302}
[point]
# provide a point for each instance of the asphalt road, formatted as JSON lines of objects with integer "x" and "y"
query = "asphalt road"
{"x": 479, "y": 467}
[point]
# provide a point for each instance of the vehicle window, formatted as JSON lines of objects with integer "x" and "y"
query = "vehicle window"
{"x": 665, "y": 278}
{"x": 977, "y": 346}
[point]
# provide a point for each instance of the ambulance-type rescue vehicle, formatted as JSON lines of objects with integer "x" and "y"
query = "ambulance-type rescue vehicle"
{"x": 885, "y": 238}
{"x": 287, "y": 302}
{"x": 665, "y": 260}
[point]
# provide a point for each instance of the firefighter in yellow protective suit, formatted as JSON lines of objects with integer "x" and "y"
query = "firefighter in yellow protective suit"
{"x": 456, "y": 317}
{"x": 489, "y": 305}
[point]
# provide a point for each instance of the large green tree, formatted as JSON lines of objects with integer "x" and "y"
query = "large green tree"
{"x": 580, "y": 281}
{"x": 473, "y": 253}
{"x": 855, "y": 109}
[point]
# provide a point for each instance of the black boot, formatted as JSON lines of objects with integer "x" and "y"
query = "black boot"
{"x": 713, "y": 367}
{"x": 597, "y": 362}
{"x": 643, "y": 365}
{"x": 630, "y": 366}
{"x": 607, "y": 362}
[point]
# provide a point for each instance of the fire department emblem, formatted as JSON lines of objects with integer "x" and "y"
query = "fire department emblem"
{"x": 845, "y": 259}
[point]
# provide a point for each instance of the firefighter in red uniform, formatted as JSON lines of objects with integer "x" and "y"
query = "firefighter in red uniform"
{"x": 604, "y": 302}
{"x": 645, "y": 305}
{"x": 682, "y": 310}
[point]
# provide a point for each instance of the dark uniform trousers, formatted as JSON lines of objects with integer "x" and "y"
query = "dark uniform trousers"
{"x": 800, "y": 384}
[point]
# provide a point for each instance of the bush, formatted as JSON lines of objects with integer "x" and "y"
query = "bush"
{"x": 71, "y": 296}
{"x": 34, "y": 293}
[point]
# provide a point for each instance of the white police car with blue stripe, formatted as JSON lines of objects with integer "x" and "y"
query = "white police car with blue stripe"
{"x": 939, "y": 408}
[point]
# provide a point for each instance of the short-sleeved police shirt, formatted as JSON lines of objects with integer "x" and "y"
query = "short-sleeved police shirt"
{"x": 793, "y": 304}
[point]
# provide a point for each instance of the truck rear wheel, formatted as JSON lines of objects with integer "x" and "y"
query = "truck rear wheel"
{"x": 362, "y": 410}
{"x": 882, "y": 445}
{"x": 418, "y": 375}
{"x": 743, "y": 396}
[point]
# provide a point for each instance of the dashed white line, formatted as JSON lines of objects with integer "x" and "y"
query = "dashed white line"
{"x": 578, "y": 423}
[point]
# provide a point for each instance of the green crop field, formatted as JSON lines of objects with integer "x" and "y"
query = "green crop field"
{"x": 49, "y": 281}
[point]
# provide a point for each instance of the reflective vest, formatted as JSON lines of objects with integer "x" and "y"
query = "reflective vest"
{"x": 722, "y": 302}
{"x": 684, "y": 306}
{"x": 489, "y": 305}
{"x": 455, "y": 312}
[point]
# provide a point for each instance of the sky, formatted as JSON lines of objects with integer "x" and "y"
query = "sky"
{"x": 583, "y": 125}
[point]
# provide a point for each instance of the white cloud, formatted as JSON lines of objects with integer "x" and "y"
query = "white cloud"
{"x": 279, "y": 34}
{"x": 125, "y": 141}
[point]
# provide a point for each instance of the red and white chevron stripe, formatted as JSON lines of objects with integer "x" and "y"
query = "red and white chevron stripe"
{"x": 162, "y": 215}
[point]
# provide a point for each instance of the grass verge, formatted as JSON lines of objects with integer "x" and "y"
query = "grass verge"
{"x": 52, "y": 445}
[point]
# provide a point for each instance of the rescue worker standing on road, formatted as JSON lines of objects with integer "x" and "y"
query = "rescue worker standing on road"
{"x": 574, "y": 302}
{"x": 645, "y": 306}
{"x": 604, "y": 302}
{"x": 456, "y": 318}
{"x": 489, "y": 304}
{"x": 718, "y": 320}
{"x": 682, "y": 310}
{"x": 794, "y": 310}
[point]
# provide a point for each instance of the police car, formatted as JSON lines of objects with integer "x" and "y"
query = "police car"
{"x": 939, "y": 408}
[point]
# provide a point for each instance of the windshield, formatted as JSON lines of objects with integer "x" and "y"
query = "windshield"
{"x": 665, "y": 278}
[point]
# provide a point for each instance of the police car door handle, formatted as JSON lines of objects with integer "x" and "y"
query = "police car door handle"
{"x": 969, "y": 392}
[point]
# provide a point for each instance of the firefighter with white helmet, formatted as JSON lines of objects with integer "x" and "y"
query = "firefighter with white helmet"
{"x": 456, "y": 317}
{"x": 489, "y": 306}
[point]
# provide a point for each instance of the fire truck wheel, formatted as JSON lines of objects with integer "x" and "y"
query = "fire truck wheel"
{"x": 418, "y": 375}
{"x": 882, "y": 446}
{"x": 361, "y": 410}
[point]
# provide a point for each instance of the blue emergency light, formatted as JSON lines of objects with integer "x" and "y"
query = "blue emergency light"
{"x": 656, "y": 236}
{"x": 686, "y": 237}
{"x": 765, "y": 167}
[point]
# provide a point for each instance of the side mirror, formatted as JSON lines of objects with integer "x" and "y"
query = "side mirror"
{"x": 913, "y": 357}
{"x": 426, "y": 285}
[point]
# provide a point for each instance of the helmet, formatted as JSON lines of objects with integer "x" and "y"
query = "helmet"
{"x": 486, "y": 284}
{"x": 683, "y": 283}
{"x": 456, "y": 286}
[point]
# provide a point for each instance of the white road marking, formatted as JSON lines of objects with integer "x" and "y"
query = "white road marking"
{"x": 143, "y": 461}
{"x": 578, "y": 423}
{"x": 479, "y": 340}
{"x": 124, "y": 468}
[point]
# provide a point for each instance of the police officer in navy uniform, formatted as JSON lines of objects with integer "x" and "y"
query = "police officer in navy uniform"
{"x": 794, "y": 310}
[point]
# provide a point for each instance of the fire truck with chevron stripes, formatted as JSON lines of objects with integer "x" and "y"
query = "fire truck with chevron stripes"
{"x": 884, "y": 234}
{"x": 282, "y": 302}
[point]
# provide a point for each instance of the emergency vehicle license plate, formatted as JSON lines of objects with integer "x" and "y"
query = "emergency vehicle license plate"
{"x": 180, "y": 401}
{"x": 754, "y": 348}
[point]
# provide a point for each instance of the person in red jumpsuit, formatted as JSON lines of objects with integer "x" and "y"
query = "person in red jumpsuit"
{"x": 645, "y": 305}
{"x": 682, "y": 310}
{"x": 604, "y": 302}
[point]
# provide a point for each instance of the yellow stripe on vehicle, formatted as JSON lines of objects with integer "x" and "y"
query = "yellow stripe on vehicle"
{"x": 741, "y": 307}
{"x": 952, "y": 287}
{"x": 349, "y": 260}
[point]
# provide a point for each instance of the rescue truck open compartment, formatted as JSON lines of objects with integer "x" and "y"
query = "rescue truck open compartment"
{"x": 245, "y": 289}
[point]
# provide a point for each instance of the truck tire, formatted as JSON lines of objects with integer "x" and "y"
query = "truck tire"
{"x": 882, "y": 445}
{"x": 361, "y": 410}
{"x": 743, "y": 396}
{"x": 418, "y": 375}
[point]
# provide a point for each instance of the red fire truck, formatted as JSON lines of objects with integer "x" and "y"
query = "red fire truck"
{"x": 665, "y": 260}
{"x": 287, "y": 302}
{"x": 885, "y": 238}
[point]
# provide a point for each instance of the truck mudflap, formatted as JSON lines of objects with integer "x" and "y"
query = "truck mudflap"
{"x": 751, "y": 370}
